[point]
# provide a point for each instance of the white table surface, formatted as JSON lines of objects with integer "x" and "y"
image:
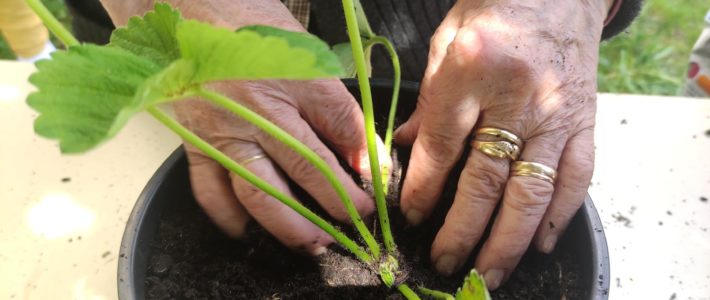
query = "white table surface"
{"x": 62, "y": 217}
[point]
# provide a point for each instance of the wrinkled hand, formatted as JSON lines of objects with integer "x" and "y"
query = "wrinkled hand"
{"x": 315, "y": 112}
{"x": 307, "y": 110}
{"x": 528, "y": 67}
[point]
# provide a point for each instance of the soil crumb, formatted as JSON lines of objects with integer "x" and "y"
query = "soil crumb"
{"x": 622, "y": 219}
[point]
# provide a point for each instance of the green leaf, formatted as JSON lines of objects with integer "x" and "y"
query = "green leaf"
{"x": 172, "y": 83}
{"x": 86, "y": 94}
{"x": 152, "y": 36}
{"x": 219, "y": 54}
{"x": 362, "y": 22}
{"x": 301, "y": 40}
{"x": 474, "y": 288}
{"x": 344, "y": 51}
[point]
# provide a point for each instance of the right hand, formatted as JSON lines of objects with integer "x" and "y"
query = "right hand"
{"x": 305, "y": 109}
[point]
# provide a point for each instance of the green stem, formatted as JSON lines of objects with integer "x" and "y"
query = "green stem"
{"x": 243, "y": 172}
{"x": 52, "y": 23}
{"x": 436, "y": 294}
{"x": 364, "y": 81}
{"x": 407, "y": 292}
{"x": 303, "y": 150}
{"x": 395, "y": 91}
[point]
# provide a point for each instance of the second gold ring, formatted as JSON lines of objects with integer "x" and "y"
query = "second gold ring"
{"x": 499, "y": 149}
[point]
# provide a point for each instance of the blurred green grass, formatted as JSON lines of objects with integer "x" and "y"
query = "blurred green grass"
{"x": 650, "y": 58}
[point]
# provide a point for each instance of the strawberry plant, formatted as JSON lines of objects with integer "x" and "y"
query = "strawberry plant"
{"x": 86, "y": 94}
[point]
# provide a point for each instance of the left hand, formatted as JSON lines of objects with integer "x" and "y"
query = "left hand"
{"x": 525, "y": 67}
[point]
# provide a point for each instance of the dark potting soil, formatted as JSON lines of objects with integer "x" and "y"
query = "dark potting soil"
{"x": 191, "y": 259}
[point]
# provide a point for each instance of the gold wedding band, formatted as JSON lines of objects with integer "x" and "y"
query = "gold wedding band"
{"x": 533, "y": 169}
{"x": 252, "y": 159}
{"x": 499, "y": 149}
{"x": 501, "y": 133}
{"x": 509, "y": 145}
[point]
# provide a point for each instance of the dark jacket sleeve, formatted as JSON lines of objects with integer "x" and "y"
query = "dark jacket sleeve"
{"x": 628, "y": 11}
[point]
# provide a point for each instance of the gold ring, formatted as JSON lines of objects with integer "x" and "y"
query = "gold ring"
{"x": 504, "y": 134}
{"x": 251, "y": 159}
{"x": 499, "y": 149}
{"x": 533, "y": 169}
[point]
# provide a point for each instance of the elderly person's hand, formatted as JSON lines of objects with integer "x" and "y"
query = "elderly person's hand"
{"x": 315, "y": 112}
{"x": 525, "y": 67}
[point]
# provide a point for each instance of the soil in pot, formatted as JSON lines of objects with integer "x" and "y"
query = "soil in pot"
{"x": 191, "y": 259}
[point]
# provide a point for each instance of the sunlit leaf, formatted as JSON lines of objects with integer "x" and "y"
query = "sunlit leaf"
{"x": 220, "y": 54}
{"x": 301, "y": 40}
{"x": 86, "y": 94}
{"x": 152, "y": 36}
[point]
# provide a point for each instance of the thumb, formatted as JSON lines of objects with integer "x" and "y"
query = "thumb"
{"x": 407, "y": 132}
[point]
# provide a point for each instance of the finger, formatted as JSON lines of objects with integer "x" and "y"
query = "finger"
{"x": 525, "y": 200}
{"x": 451, "y": 112}
{"x": 292, "y": 229}
{"x": 574, "y": 174}
{"x": 213, "y": 191}
{"x": 442, "y": 37}
{"x": 440, "y": 40}
{"x": 307, "y": 176}
{"x": 336, "y": 117}
{"x": 407, "y": 132}
{"x": 479, "y": 190}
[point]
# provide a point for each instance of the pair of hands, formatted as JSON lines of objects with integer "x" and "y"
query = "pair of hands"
{"x": 526, "y": 67}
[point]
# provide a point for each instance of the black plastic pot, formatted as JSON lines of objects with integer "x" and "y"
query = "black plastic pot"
{"x": 585, "y": 235}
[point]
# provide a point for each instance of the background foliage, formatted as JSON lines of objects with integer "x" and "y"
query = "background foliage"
{"x": 651, "y": 58}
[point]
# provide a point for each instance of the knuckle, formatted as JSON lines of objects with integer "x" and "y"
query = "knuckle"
{"x": 466, "y": 47}
{"x": 195, "y": 158}
{"x": 276, "y": 111}
{"x": 303, "y": 171}
{"x": 485, "y": 184}
{"x": 580, "y": 172}
{"x": 440, "y": 148}
{"x": 529, "y": 195}
{"x": 340, "y": 122}
{"x": 257, "y": 202}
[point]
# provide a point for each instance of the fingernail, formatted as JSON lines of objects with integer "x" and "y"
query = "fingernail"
{"x": 320, "y": 250}
{"x": 414, "y": 217}
{"x": 446, "y": 264}
{"x": 493, "y": 278}
{"x": 548, "y": 245}
{"x": 236, "y": 230}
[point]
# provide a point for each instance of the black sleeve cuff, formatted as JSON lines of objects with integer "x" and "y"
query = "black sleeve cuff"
{"x": 628, "y": 11}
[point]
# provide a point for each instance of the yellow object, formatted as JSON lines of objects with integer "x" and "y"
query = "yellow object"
{"x": 22, "y": 29}
{"x": 499, "y": 149}
{"x": 504, "y": 134}
{"x": 533, "y": 169}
